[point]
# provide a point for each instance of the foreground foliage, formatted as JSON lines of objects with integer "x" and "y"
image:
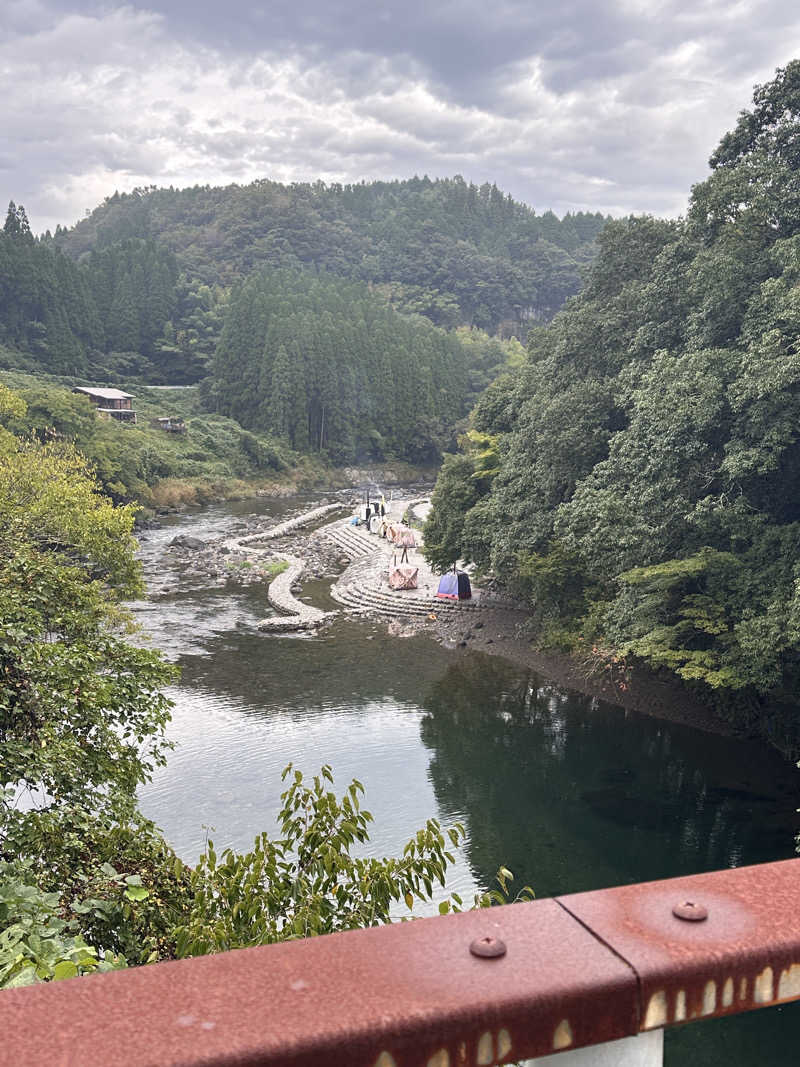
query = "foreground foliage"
{"x": 301, "y": 882}
{"x": 86, "y": 882}
{"x": 646, "y": 498}
{"x": 35, "y": 944}
{"x": 82, "y": 716}
{"x": 305, "y": 881}
{"x": 81, "y": 712}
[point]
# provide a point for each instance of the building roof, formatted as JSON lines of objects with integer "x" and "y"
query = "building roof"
{"x": 104, "y": 394}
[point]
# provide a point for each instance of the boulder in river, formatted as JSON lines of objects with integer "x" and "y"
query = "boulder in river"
{"x": 194, "y": 544}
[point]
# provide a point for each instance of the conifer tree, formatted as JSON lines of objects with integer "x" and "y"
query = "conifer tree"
{"x": 123, "y": 320}
{"x": 278, "y": 402}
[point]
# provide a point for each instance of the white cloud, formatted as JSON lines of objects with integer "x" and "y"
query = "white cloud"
{"x": 617, "y": 115}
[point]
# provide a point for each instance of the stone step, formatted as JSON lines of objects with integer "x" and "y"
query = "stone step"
{"x": 367, "y": 586}
{"x": 388, "y": 600}
{"x": 421, "y": 607}
{"x": 355, "y": 605}
{"x": 395, "y": 603}
{"x": 396, "y": 611}
{"x": 352, "y": 544}
{"x": 356, "y": 533}
{"x": 353, "y": 552}
{"x": 385, "y": 597}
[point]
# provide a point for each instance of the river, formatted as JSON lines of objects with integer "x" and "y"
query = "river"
{"x": 568, "y": 792}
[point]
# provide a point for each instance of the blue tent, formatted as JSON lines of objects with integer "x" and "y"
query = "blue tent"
{"x": 448, "y": 586}
{"x": 454, "y": 586}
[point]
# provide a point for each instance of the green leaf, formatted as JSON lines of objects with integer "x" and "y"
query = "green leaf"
{"x": 136, "y": 892}
{"x": 65, "y": 969}
{"x": 27, "y": 976}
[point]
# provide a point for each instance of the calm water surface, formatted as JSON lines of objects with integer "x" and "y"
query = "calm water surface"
{"x": 567, "y": 791}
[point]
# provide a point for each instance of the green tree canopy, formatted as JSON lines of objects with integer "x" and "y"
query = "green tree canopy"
{"x": 458, "y": 253}
{"x": 328, "y": 366}
{"x": 82, "y": 714}
{"x": 647, "y": 496}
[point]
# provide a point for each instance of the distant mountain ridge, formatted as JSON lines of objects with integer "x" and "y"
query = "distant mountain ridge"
{"x": 459, "y": 253}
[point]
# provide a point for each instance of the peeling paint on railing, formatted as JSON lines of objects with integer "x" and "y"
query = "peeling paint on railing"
{"x": 743, "y": 952}
{"x": 577, "y": 971}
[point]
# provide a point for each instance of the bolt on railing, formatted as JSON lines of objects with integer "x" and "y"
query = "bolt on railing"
{"x": 484, "y": 987}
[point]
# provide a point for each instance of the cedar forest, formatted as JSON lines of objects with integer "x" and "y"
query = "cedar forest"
{"x": 354, "y": 321}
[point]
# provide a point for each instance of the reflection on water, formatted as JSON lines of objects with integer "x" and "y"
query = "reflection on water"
{"x": 575, "y": 794}
{"x": 569, "y": 792}
{"x": 256, "y": 703}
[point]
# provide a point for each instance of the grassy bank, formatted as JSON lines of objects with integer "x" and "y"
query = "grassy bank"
{"x": 215, "y": 459}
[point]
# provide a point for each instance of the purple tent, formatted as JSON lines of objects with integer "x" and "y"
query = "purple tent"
{"x": 454, "y": 586}
{"x": 448, "y": 586}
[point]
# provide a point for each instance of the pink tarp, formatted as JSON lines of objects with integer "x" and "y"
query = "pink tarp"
{"x": 404, "y": 537}
{"x": 401, "y": 535}
{"x": 403, "y": 577}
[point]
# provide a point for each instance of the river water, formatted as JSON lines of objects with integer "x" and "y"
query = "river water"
{"x": 568, "y": 792}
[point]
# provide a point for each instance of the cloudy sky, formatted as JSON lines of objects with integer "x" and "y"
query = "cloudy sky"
{"x": 611, "y": 105}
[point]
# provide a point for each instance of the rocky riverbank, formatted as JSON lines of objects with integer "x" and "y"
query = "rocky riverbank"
{"x": 171, "y": 496}
{"x": 223, "y": 560}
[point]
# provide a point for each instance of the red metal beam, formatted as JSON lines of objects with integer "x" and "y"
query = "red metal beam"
{"x": 576, "y": 971}
{"x": 736, "y": 947}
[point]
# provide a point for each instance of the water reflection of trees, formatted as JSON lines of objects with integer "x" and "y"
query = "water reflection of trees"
{"x": 572, "y": 793}
{"x": 351, "y": 665}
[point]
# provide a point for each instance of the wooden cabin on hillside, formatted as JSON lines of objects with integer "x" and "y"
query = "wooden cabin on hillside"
{"x": 112, "y": 403}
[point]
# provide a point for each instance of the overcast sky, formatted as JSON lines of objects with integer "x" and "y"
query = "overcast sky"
{"x": 610, "y": 105}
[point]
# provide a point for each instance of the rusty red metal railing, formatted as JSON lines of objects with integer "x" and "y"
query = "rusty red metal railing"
{"x": 481, "y": 988}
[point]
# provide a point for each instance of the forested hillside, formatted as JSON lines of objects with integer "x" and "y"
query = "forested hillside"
{"x": 640, "y": 481}
{"x": 46, "y": 307}
{"x": 328, "y": 366}
{"x": 364, "y": 319}
{"x": 112, "y": 315}
{"x": 456, "y": 252}
{"x": 317, "y": 361}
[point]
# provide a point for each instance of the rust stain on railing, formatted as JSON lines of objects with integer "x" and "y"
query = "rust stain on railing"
{"x": 709, "y": 945}
{"x": 576, "y": 971}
